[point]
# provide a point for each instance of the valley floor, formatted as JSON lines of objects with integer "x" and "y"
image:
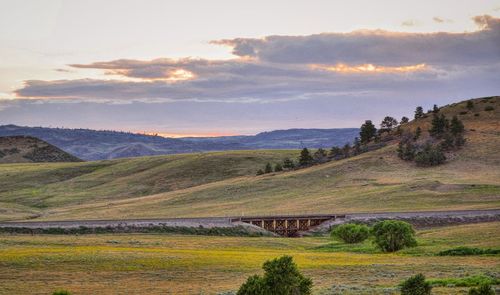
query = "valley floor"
{"x": 173, "y": 264}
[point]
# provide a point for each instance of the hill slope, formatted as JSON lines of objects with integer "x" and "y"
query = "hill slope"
{"x": 31, "y": 189}
{"x": 26, "y": 149}
{"x": 99, "y": 145}
{"x": 373, "y": 181}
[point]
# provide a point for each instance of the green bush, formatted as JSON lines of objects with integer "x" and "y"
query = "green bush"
{"x": 61, "y": 292}
{"x": 430, "y": 156}
{"x": 393, "y": 235}
{"x": 465, "y": 282}
{"x": 351, "y": 233}
{"x": 416, "y": 285}
{"x": 281, "y": 277}
{"x": 484, "y": 289}
{"x": 465, "y": 251}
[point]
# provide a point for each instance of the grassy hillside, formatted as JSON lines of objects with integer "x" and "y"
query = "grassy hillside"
{"x": 26, "y": 149}
{"x": 219, "y": 184}
{"x": 374, "y": 181}
{"x": 30, "y": 189}
{"x": 171, "y": 264}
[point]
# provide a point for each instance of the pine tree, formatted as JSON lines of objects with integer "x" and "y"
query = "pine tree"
{"x": 346, "y": 150}
{"x": 335, "y": 152}
{"x": 456, "y": 126}
{"x": 439, "y": 126}
{"x": 404, "y": 120}
{"x": 367, "y": 132}
{"x": 435, "y": 109}
{"x": 357, "y": 146}
{"x": 419, "y": 112}
{"x": 268, "y": 168}
{"x": 305, "y": 158}
{"x": 418, "y": 132}
{"x": 320, "y": 156}
{"x": 288, "y": 164}
{"x": 388, "y": 124}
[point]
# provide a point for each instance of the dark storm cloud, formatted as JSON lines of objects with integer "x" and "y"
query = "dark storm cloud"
{"x": 278, "y": 68}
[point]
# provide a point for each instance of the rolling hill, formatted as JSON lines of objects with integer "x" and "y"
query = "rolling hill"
{"x": 94, "y": 145}
{"x": 26, "y": 149}
{"x": 186, "y": 185}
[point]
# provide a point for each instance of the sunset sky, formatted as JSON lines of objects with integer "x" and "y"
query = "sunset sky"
{"x": 206, "y": 68}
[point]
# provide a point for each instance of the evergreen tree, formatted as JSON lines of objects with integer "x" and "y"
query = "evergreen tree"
{"x": 305, "y": 158}
{"x": 346, "y": 150}
{"x": 419, "y": 112}
{"x": 357, "y": 146}
{"x": 418, "y": 132}
{"x": 406, "y": 150}
{"x": 288, "y": 164}
{"x": 470, "y": 105}
{"x": 456, "y": 126}
{"x": 335, "y": 152}
{"x": 320, "y": 156}
{"x": 404, "y": 120}
{"x": 435, "y": 109}
{"x": 388, "y": 124}
{"x": 439, "y": 126}
{"x": 278, "y": 167}
{"x": 367, "y": 132}
{"x": 268, "y": 168}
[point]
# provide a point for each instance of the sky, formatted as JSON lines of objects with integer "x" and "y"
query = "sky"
{"x": 226, "y": 67}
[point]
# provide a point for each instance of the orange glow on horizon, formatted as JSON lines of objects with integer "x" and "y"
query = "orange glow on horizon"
{"x": 180, "y": 135}
{"x": 369, "y": 68}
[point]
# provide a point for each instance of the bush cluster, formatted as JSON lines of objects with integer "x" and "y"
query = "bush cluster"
{"x": 466, "y": 251}
{"x": 445, "y": 135}
{"x": 389, "y": 235}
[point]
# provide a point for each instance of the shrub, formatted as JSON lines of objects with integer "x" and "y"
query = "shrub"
{"x": 489, "y": 108}
{"x": 61, "y": 292}
{"x": 278, "y": 167}
{"x": 430, "y": 156}
{"x": 288, "y": 164}
{"x": 393, "y": 235}
{"x": 351, "y": 233}
{"x": 465, "y": 281}
{"x": 470, "y": 105}
{"x": 416, "y": 285}
{"x": 281, "y": 277}
{"x": 484, "y": 289}
{"x": 260, "y": 172}
{"x": 465, "y": 251}
{"x": 268, "y": 168}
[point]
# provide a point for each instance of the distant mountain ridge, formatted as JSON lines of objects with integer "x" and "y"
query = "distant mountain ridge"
{"x": 90, "y": 144}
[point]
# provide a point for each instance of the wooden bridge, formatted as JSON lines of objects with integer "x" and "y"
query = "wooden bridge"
{"x": 287, "y": 225}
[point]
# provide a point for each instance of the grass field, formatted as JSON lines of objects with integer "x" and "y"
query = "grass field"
{"x": 170, "y": 264}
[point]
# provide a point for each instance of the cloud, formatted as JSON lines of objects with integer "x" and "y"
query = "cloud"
{"x": 409, "y": 23}
{"x": 280, "y": 68}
